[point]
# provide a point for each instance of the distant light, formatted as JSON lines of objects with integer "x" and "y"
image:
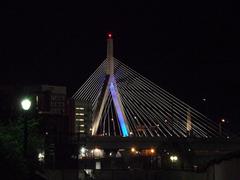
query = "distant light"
{"x": 204, "y": 99}
{"x": 133, "y": 149}
{"x": 152, "y": 150}
{"x": 97, "y": 153}
{"x": 26, "y": 104}
{"x": 109, "y": 35}
{"x": 83, "y": 150}
{"x": 223, "y": 120}
{"x": 131, "y": 133}
{"x": 41, "y": 156}
{"x": 173, "y": 158}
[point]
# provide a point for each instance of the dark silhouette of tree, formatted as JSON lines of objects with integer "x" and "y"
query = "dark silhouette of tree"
{"x": 13, "y": 163}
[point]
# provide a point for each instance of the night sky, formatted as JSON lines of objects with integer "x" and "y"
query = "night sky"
{"x": 190, "y": 50}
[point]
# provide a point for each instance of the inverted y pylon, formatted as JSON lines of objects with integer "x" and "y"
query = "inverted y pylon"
{"x": 110, "y": 86}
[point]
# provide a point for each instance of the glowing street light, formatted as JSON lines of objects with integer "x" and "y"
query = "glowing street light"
{"x": 133, "y": 150}
{"x": 26, "y": 104}
{"x": 222, "y": 121}
{"x": 173, "y": 158}
{"x": 41, "y": 156}
{"x": 152, "y": 150}
{"x": 83, "y": 150}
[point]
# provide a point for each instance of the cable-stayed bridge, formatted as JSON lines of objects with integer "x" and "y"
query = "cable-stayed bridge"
{"x": 134, "y": 116}
{"x": 124, "y": 103}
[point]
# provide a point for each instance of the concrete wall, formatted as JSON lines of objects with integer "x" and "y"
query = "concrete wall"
{"x": 227, "y": 170}
{"x": 149, "y": 175}
{"x": 61, "y": 174}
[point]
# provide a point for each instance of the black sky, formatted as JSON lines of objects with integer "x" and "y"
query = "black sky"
{"x": 189, "y": 49}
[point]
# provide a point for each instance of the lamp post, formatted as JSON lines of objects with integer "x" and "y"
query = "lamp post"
{"x": 220, "y": 126}
{"x": 26, "y": 105}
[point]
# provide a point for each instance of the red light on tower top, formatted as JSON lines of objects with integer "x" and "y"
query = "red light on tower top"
{"x": 109, "y": 35}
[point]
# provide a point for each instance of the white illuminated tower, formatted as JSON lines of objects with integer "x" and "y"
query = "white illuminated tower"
{"x": 110, "y": 86}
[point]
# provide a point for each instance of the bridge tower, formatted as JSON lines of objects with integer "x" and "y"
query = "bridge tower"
{"x": 110, "y": 86}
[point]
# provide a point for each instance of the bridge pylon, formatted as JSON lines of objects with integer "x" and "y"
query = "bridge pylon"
{"x": 110, "y": 86}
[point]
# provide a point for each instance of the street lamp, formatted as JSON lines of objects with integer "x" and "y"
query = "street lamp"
{"x": 173, "y": 158}
{"x": 133, "y": 150}
{"x": 220, "y": 126}
{"x": 26, "y": 105}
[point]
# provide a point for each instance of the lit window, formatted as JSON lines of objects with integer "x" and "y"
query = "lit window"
{"x": 81, "y": 131}
{"x": 81, "y": 108}
{"x": 79, "y": 119}
{"x": 82, "y": 125}
{"x": 81, "y": 114}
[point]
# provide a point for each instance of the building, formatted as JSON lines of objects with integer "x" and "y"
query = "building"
{"x": 51, "y": 99}
{"x": 81, "y": 117}
{"x": 49, "y": 104}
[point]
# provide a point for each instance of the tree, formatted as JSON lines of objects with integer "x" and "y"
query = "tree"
{"x": 13, "y": 164}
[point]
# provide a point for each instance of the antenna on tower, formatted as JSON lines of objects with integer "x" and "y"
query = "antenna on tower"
{"x": 110, "y": 64}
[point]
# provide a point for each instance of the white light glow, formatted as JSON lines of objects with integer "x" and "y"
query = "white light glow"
{"x": 41, "y": 156}
{"x": 83, "y": 150}
{"x": 26, "y": 104}
{"x": 173, "y": 158}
